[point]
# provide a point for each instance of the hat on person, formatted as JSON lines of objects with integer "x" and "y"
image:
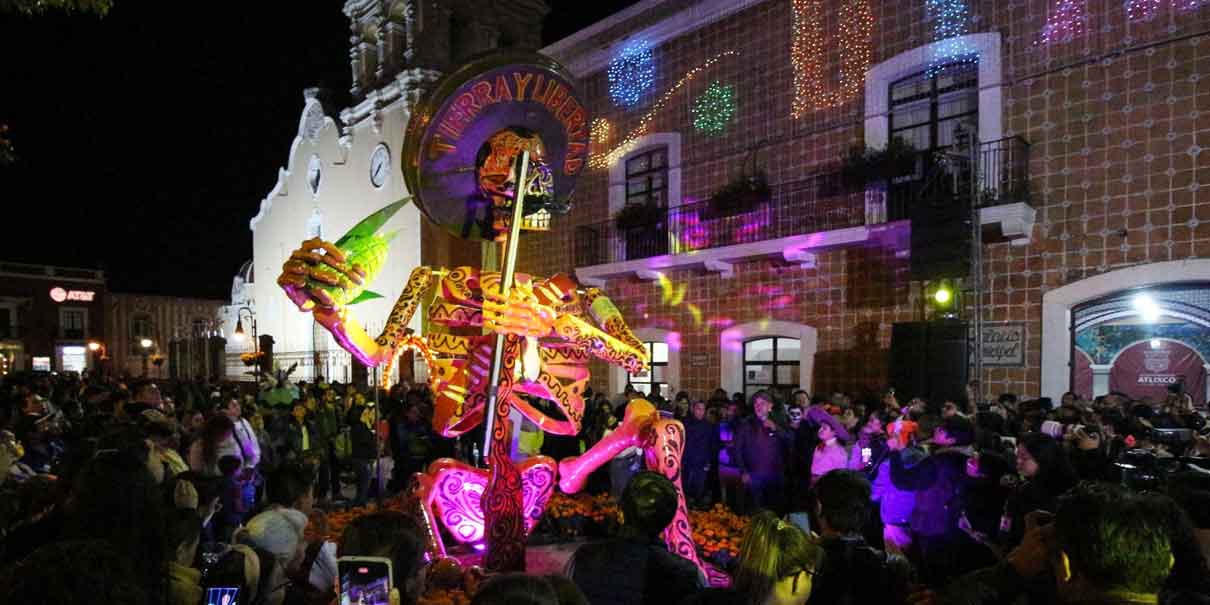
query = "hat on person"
{"x": 278, "y": 532}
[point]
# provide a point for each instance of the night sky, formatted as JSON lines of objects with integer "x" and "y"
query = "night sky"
{"x": 147, "y": 138}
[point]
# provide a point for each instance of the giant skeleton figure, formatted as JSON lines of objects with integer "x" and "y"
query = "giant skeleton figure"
{"x": 552, "y": 329}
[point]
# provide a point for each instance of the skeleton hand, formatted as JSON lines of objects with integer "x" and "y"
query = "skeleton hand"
{"x": 520, "y": 315}
{"x": 318, "y": 275}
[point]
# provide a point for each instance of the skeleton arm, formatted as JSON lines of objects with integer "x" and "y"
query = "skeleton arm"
{"x": 305, "y": 279}
{"x": 615, "y": 344}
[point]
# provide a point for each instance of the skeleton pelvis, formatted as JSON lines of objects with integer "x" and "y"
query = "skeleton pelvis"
{"x": 459, "y": 490}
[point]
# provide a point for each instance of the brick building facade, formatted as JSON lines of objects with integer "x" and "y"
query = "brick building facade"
{"x": 165, "y": 322}
{"x": 48, "y": 315}
{"x": 1110, "y": 102}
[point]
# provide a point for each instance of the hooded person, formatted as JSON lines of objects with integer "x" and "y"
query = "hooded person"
{"x": 278, "y": 532}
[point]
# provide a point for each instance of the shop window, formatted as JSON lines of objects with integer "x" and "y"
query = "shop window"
{"x": 927, "y": 107}
{"x": 771, "y": 364}
{"x": 655, "y": 379}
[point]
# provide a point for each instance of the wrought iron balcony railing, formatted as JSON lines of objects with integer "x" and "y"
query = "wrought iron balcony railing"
{"x": 819, "y": 203}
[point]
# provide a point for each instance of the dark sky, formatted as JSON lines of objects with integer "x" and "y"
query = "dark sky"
{"x": 146, "y": 139}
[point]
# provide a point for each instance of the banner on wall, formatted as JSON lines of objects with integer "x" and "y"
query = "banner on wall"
{"x": 1149, "y": 367}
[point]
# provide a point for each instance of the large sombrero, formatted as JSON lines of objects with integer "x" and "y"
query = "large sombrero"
{"x": 504, "y": 90}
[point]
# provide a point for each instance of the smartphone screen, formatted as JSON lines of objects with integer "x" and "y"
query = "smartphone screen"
{"x": 364, "y": 581}
{"x": 222, "y": 595}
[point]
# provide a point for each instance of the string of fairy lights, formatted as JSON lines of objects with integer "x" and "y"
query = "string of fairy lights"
{"x": 604, "y": 160}
{"x": 1066, "y": 22}
{"x": 951, "y": 22}
{"x": 808, "y": 54}
{"x": 599, "y": 131}
{"x": 714, "y": 108}
{"x": 631, "y": 74}
{"x": 1141, "y": 10}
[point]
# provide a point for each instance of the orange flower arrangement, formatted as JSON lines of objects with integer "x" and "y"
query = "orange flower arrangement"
{"x": 718, "y": 531}
{"x": 597, "y": 508}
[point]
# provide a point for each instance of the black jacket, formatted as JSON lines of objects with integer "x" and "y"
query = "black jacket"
{"x": 938, "y": 483}
{"x": 632, "y": 572}
{"x": 854, "y": 572}
{"x": 364, "y": 446}
{"x": 761, "y": 452}
{"x": 701, "y": 443}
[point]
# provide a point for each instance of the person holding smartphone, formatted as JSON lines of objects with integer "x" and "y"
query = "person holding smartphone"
{"x": 389, "y": 537}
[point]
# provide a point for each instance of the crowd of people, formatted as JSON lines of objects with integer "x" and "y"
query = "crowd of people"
{"x": 149, "y": 492}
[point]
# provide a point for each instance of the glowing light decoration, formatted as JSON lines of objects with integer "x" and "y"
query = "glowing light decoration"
{"x": 604, "y": 160}
{"x": 1141, "y": 10}
{"x": 951, "y": 21}
{"x": 1189, "y": 5}
{"x": 599, "y": 131}
{"x": 713, "y": 110}
{"x": 808, "y": 54}
{"x": 1068, "y": 20}
{"x": 631, "y": 74}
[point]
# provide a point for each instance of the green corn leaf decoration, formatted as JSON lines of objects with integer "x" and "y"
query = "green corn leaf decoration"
{"x": 363, "y": 246}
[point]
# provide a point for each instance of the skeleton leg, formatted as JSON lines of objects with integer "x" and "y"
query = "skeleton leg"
{"x": 664, "y": 456}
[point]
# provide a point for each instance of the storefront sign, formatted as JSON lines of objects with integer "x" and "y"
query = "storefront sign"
{"x": 699, "y": 360}
{"x": 1004, "y": 344}
{"x": 59, "y": 295}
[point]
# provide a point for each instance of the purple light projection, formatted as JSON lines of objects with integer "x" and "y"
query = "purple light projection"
{"x": 1067, "y": 21}
{"x": 1141, "y": 10}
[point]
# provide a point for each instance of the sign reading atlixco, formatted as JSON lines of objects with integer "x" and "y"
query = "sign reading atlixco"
{"x": 60, "y": 295}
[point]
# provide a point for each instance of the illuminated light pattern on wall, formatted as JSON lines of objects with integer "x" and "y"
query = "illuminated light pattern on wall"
{"x": 1068, "y": 20}
{"x": 713, "y": 110}
{"x": 808, "y": 55}
{"x": 605, "y": 159}
{"x": 951, "y": 21}
{"x": 600, "y": 130}
{"x": 631, "y": 74}
{"x": 1188, "y": 5}
{"x": 1141, "y": 10}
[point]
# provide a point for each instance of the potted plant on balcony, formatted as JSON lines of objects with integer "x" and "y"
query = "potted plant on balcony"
{"x": 863, "y": 165}
{"x": 743, "y": 194}
{"x": 644, "y": 227}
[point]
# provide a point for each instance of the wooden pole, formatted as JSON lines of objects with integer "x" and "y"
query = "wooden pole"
{"x": 509, "y": 263}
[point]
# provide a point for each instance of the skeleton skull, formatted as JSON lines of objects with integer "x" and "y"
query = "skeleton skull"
{"x": 498, "y": 182}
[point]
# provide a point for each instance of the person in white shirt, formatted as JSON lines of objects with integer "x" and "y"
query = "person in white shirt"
{"x": 244, "y": 434}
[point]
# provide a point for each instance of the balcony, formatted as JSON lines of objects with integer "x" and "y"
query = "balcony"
{"x": 798, "y": 218}
{"x": 1005, "y": 209}
{"x": 815, "y": 214}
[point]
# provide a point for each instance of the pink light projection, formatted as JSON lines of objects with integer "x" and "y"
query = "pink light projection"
{"x": 1068, "y": 20}
{"x": 674, "y": 341}
{"x": 1189, "y": 5}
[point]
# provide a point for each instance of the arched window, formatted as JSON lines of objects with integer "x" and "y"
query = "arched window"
{"x": 771, "y": 364}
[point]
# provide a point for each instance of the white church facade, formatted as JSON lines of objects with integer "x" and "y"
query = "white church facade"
{"x": 342, "y": 168}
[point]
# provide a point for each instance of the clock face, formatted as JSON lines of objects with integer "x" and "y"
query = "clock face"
{"x": 380, "y": 166}
{"x": 314, "y": 174}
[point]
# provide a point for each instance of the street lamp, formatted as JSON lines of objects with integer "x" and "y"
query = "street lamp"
{"x": 239, "y": 335}
{"x": 146, "y": 344}
{"x": 98, "y": 349}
